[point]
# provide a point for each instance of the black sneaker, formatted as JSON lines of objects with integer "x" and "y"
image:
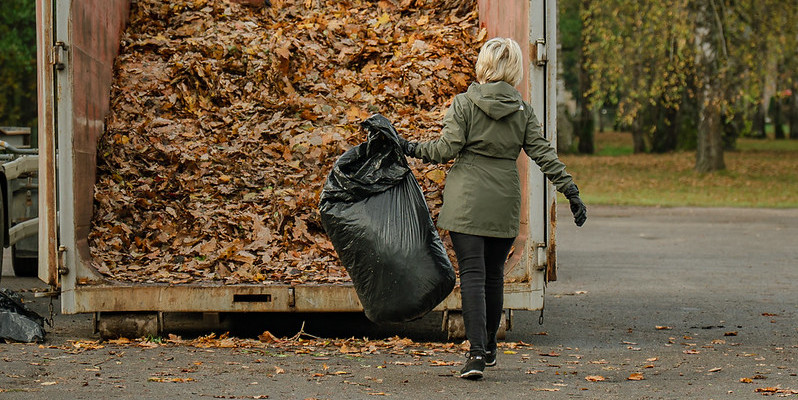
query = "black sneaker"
{"x": 490, "y": 358}
{"x": 473, "y": 368}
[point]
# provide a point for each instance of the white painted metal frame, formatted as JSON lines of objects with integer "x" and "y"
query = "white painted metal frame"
{"x": 542, "y": 81}
{"x": 65, "y": 162}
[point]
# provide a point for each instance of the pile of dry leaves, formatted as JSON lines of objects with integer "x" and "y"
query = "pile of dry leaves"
{"x": 225, "y": 120}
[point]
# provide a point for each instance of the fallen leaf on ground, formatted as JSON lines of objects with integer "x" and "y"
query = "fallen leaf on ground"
{"x": 636, "y": 377}
{"x": 776, "y": 390}
{"x": 267, "y": 337}
{"x": 169, "y": 380}
{"x": 595, "y": 378}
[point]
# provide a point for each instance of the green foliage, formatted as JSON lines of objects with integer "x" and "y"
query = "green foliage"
{"x": 657, "y": 60}
{"x": 18, "y": 63}
{"x": 570, "y": 40}
{"x": 639, "y": 54}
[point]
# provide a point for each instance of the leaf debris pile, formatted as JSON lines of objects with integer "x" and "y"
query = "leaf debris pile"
{"x": 298, "y": 344}
{"x": 226, "y": 119}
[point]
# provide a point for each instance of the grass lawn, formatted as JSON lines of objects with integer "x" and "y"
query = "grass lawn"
{"x": 760, "y": 173}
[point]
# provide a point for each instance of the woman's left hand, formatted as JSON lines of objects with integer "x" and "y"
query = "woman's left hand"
{"x": 578, "y": 208}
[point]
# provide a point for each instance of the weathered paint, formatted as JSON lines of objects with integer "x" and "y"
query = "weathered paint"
{"x": 281, "y": 298}
{"x": 509, "y": 18}
{"x": 48, "y": 219}
{"x": 551, "y": 251}
{"x": 96, "y": 26}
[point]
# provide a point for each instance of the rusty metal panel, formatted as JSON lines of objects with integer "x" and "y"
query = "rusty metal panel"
{"x": 255, "y": 298}
{"x": 48, "y": 219}
{"x": 90, "y": 31}
{"x": 96, "y": 29}
{"x": 510, "y": 18}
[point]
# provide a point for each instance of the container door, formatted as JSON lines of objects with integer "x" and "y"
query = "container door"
{"x": 543, "y": 78}
{"x": 48, "y": 61}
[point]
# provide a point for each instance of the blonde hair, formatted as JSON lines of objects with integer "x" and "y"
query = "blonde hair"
{"x": 500, "y": 59}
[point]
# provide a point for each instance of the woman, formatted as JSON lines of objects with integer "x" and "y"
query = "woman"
{"x": 485, "y": 129}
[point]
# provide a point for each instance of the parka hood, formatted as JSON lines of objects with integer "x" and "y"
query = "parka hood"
{"x": 496, "y": 99}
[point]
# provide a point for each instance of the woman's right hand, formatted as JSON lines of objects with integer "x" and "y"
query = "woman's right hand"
{"x": 407, "y": 147}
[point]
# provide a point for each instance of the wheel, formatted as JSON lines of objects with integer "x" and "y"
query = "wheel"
{"x": 24, "y": 265}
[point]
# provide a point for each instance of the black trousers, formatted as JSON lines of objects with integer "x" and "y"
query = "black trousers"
{"x": 481, "y": 263}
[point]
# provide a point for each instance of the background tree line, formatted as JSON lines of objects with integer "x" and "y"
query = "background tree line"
{"x": 682, "y": 74}
{"x": 677, "y": 74}
{"x": 18, "y": 63}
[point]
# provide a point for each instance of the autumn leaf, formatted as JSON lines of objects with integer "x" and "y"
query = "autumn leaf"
{"x": 169, "y": 379}
{"x": 436, "y": 176}
{"x": 595, "y": 378}
{"x": 636, "y": 377}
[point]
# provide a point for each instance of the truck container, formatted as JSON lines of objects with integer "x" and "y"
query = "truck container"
{"x": 78, "y": 41}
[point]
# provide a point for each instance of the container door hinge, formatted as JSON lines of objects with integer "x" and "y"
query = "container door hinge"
{"x": 62, "y": 269}
{"x": 59, "y": 55}
{"x": 541, "y": 58}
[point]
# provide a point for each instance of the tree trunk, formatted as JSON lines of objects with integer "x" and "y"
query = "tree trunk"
{"x": 758, "y": 127}
{"x": 587, "y": 143}
{"x": 585, "y": 125}
{"x": 775, "y": 116}
{"x": 666, "y": 137}
{"x": 792, "y": 114}
{"x": 638, "y": 137}
{"x": 709, "y": 154}
{"x": 711, "y": 54}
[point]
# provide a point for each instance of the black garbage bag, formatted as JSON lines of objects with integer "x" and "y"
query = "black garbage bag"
{"x": 377, "y": 219}
{"x": 17, "y": 322}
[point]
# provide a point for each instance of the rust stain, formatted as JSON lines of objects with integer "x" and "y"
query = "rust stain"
{"x": 551, "y": 250}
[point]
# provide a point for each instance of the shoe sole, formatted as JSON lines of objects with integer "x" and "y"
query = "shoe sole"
{"x": 473, "y": 374}
{"x": 493, "y": 364}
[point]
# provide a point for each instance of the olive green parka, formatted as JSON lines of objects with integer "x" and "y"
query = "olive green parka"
{"x": 485, "y": 129}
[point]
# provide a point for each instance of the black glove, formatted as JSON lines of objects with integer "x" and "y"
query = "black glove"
{"x": 409, "y": 148}
{"x": 578, "y": 208}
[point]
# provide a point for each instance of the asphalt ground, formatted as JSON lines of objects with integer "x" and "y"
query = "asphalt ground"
{"x": 650, "y": 303}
